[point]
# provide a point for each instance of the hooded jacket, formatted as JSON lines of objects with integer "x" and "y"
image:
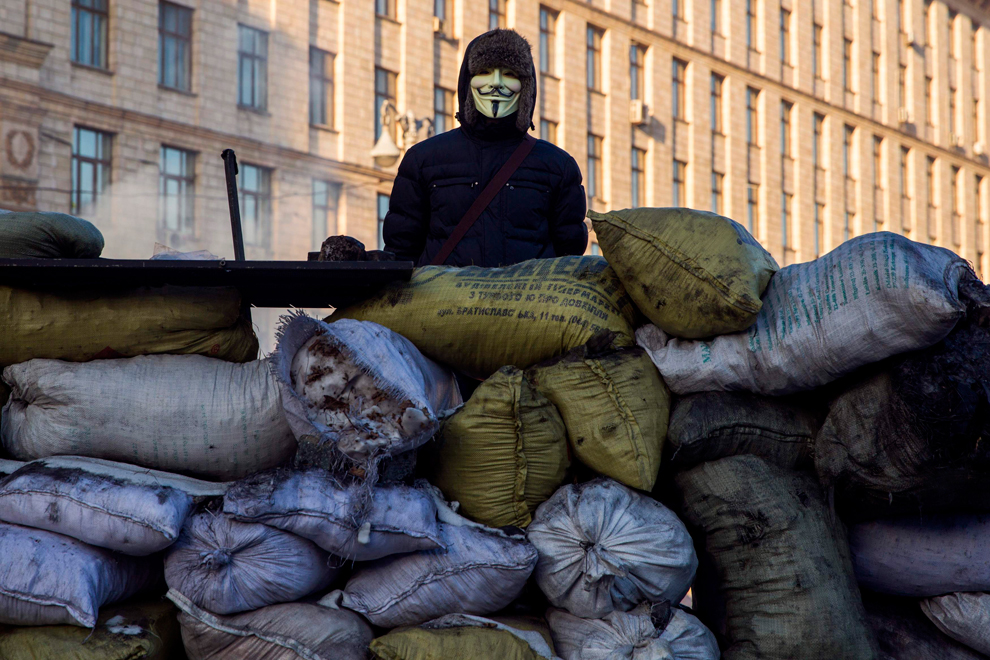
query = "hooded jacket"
{"x": 538, "y": 214}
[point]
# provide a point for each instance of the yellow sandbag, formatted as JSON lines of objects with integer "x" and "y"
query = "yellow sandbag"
{"x": 481, "y": 319}
{"x": 503, "y": 454}
{"x": 449, "y": 643}
{"x": 694, "y": 274}
{"x": 79, "y": 327}
{"x": 615, "y": 408}
{"x": 148, "y": 630}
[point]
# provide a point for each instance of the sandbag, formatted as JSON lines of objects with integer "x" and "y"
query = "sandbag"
{"x": 316, "y": 506}
{"x": 965, "y": 617}
{"x": 126, "y": 631}
{"x": 693, "y": 273}
{"x": 904, "y": 633}
{"x": 503, "y": 454}
{"x": 784, "y": 573}
{"x": 225, "y": 566}
{"x": 46, "y": 235}
{"x": 50, "y": 579}
{"x": 708, "y": 426}
{"x": 111, "y": 505}
{"x": 288, "y": 631}
{"x": 86, "y": 325}
{"x": 874, "y": 296}
{"x": 478, "y": 320}
{"x": 462, "y": 636}
{"x": 359, "y": 388}
{"x": 604, "y": 547}
{"x": 908, "y": 439}
{"x": 648, "y": 632}
{"x": 481, "y": 571}
{"x": 185, "y": 413}
{"x": 921, "y": 557}
{"x": 615, "y": 408}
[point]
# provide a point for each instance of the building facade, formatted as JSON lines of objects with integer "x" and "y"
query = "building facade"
{"x": 809, "y": 121}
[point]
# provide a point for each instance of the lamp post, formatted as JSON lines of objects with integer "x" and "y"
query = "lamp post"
{"x": 387, "y": 150}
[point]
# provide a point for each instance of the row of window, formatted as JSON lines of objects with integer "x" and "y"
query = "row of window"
{"x": 92, "y": 165}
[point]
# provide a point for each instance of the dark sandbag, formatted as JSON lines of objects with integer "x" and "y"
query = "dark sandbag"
{"x": 37, "y": 235}
{"x": 904, "y": 633}
{"x": 907, "y": 440}
{"x": 784, "y": 575}
{"x": 711, "y": 425}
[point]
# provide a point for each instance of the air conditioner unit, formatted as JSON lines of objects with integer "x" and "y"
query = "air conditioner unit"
{"x": 955, "y": 140}
{"x": 979, "y": 149}
{"x": 438, "y": 25}
{"x": 638, "y": 113}
{"x": 903, "y": 116}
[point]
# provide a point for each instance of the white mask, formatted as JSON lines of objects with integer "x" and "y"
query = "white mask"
{"x": 496, "y": 92}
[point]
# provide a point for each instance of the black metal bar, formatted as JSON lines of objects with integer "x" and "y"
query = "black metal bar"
{"x": 230, "y": 173}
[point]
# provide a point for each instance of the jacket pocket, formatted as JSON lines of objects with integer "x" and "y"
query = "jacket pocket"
{"x": 451, "y": 198}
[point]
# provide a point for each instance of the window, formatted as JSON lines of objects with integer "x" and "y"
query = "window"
{"x": 716, "y": 16}
{"x": 594, "y": 60}
{"x": 903, "y": 182}
{"x": 902, "y": 85}
{"x": 256, "y": 204}
{"x": 785, "y": 37}
{"x": 786, "y": 216}
{"x": 176, "y": 190}
{"x": 876, "y": 77}
{"x": 594, "y": 166}
{"x": 926, "y": 10}
{"x": 953, "y": 45}
{"x": 638, "y": 177}
{"x": 954, "y": 195}
{"x": 496, "y": 14}
{"x": 548, "y": 131}
{"x": 174, "y": 46}
{"x": 89, "y": 32}
{"x": 952, "y": 113}
{"x": 383, "y": 201}
{"x": 976, "y": 118}
{"x": 679, "y": 195}
{"x": 847, "y": 147}
{"x": 678, "y": 98}
{"x": 752, "y": 116}
{"x": 980, "y": 227}
{"x": 929, "y": 102}
{"x": 818, "y": 123}
{"x": 637, "y": 77}
{"x": 252, "y": 68}
{"x": 785, "y": 129}
{"x": 442, "y": 9}
{"x": 930, "y": 180}
{"x": 877, "y": 178}
{"x": 752, "y": 207}
{"x": 716, "y": 103}
{"x": 90, "y": 167}
{"x": 718, "y": 181}
{"x": 751, "y": 24}
{"x": 595, "y": 249}
{"x": 677, "y": 8}
{"x": 548, "y": 41}
{"x": 320, "y": 87}
{"x": 901, "y": 20}
{"x": 325, "y": 199}
{"x": 384, "y": 91}
{"x": 443, "y": 110}
{"x": 385, "y": 8}
{"x": 847, "y": 225}
{"x": 817, "y": 64}
{"x": 819, "y": 228}
{"x": 847, "y": 53}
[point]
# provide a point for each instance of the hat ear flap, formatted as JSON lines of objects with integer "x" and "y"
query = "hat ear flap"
{"x": 527, "y": 103}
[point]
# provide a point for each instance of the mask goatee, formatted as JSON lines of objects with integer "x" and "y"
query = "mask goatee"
{"x": 495, "y": 109}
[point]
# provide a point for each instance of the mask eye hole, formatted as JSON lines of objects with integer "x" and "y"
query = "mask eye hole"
{"x": 484, "y": 72}
{"x": 508, "y": 73}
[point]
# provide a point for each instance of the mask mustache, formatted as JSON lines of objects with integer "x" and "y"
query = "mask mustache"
{"x": 498, "y": 91}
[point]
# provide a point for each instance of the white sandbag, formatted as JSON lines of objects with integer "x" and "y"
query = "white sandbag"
{"x": 605, "y": 547}
{"x": 922, "y": 556}
{"x": 874, "y": 296}
{"x": 225, "y": 566}
{"x": 481, "y": 571}
{"x": 965, "y": 617}
{"x": 646, "y": 633}
{"x": 315, "y": 505}
{"x": 288, "y": 631}
{"x": 360, "y": 386}
{"x": 111, "y": 505}
{"x": 49, "y": 579}
{"x": 184, "y": 413}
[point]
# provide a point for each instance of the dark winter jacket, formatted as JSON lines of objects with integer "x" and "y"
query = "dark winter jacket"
{"x": 538, "y": 214}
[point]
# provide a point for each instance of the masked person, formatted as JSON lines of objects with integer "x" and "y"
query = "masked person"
{"x": 538, "y": 212}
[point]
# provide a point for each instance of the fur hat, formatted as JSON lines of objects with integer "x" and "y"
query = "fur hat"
{"x": 499, "y": 48}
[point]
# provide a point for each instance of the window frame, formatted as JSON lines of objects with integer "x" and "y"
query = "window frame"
{"x": 322, "y": 82}
{"x": 548, "y": 41}
{"x": 786, "y": 129}
{"x": 497, "y": 12}
{"x": 786, "y": 218}
{"x": 548, "y": 131}
{"x": 785, "y": 37}
{"x": 593, "y": 60}
{"x": 262, "y": 199}
{"x": 98, "y": 19}
{"x": 716, "y": 17}
{"x": 752, "y": 116}
{"x": 718, "y": 190}
{"x": 752, "y": 207}
{"x": 716, "y": 107}
{"x": 595, "y": 178}
{"x": 678, "y": 89}
{"x": 256, "y": 64}
{"x": 678, "y": 183}
{"x": 391, "y": 79}
{"x": 637, "y": 170}
{"x": 848, "y": 147}
{"x": 186, "y": 181}
{"x": 637, "y": 70}
{"x": 847, "y": 64}
{"x": 331, "y": 203}
{"x": 102, "y": 168}
{"x": 382, "y": 202}
{"x": 818, "y": 135}
{"x": 817, "y": 51}
{"x": 751, "y": 25}
{"x": 385, "y": 8}
{"x": 443, "y": 109}
{"x": 183, "y": 44}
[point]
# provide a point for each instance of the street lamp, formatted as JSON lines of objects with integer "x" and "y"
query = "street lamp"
{"x": 386, "y": 152}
